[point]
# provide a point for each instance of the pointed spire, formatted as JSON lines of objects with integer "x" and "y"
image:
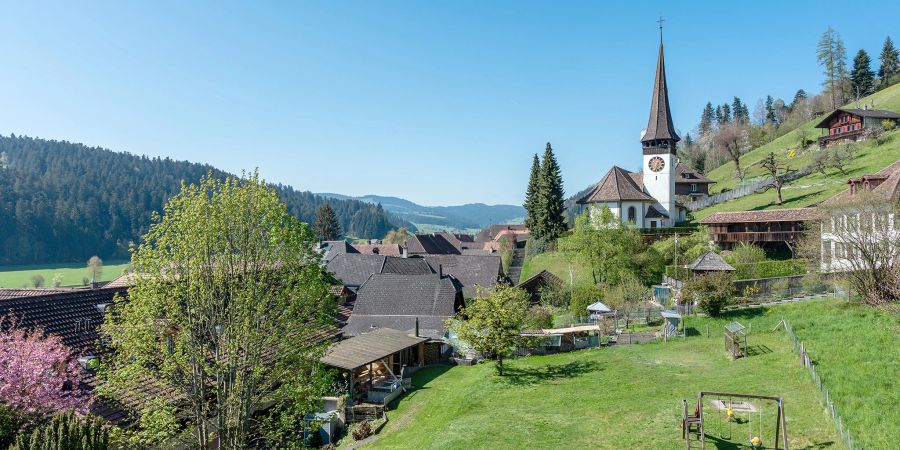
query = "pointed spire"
{"x": 660, "y": 127}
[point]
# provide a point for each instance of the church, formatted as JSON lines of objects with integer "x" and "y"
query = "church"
{"x": 646, "y": 199}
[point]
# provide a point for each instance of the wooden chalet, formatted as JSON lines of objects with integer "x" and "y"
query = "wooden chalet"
{"x": 849, "y": 124}
{"x": 764, "y": 228}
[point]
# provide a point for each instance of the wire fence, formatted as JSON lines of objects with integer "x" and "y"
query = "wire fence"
{"x": 747, "y": 189}
{"x": 805, "y": 360}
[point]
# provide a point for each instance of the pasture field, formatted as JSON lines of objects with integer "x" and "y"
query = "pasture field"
{"x": 73, "y": 273}
{"x": 629, "y": 396}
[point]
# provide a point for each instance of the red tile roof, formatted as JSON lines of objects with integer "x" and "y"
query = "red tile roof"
{"x": 769, "y": 215}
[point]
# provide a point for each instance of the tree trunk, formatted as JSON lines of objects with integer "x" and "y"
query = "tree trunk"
{"x": 499, "y": 365}
{"x": 778, "y": 191}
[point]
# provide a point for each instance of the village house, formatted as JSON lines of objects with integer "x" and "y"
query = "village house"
{"x": 473, "y": 272}
{"x": 848, "y": 124}
{"x": 353, "y": 269}
{"x": 420, "y": 305}
{"x": 767, "y": 228}
{"x": 646, "y": 199}
{"x": 444, "y": 243}
{"x": 872, "y": 225}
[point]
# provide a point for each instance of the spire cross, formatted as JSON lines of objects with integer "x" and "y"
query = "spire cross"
{"x": 660, "y": 21}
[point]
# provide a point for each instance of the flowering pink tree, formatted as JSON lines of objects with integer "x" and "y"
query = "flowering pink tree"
{"x": 39, "y": 375}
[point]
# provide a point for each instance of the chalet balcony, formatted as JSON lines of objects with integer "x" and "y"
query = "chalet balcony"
{"x": 854, "y": 135}
{"x": 756, "y": 236}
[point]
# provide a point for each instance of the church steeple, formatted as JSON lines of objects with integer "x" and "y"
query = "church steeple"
{"x": 660, "y": 136}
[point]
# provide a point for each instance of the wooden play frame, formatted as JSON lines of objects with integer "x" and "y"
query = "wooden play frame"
{"x": 697, "y": 420}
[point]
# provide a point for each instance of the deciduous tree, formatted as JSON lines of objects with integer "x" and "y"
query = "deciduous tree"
{"x": 39, "y": 375}
{"x": 603, "y": 243}
{"x": 492, "y": 325}
{"x": 776, "y": 170}
{"x": 95, "y": 268}
{"x": 228, "y": 312}
{"x": 398, "y": 236}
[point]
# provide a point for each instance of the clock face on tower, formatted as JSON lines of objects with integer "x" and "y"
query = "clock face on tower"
{"x": 656, "y": 164}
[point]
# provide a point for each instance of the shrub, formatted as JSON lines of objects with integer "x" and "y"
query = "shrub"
{"x": 361, "y": 430}
{"x": 888, "y": 124}
{"x": 713, "y": 292}
{"x": 9, "y": 425}
{"x": 813, "y": 283}
{"x": 536, "y": 246}
{"x": 65, "y": 432}
{"x": 538, "y": 317}
{"x": 556, "y": 296}
{"x": 582, "y": 297}
{"x": 37, "y": 280}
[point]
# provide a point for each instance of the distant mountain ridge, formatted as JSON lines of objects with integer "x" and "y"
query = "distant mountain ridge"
{"x": 467, "y": 217}
{"x": 64, "y": 202}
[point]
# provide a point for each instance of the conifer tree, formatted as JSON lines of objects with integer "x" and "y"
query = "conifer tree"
{"x": 326, "y": 225}
{"x": 726, "y": 113}
{"x": 531, "y": 196}
{"x": 770, "y": 110}
{"x": 862, "y": 78}
{"x": 890, "y": 63}
{"x": 550, "y": 207}
{"x": 832, "y": 56}
{"x": 706, "y": 119}
{"x": 741, "y": 115}
{"x": 798, "y": 97}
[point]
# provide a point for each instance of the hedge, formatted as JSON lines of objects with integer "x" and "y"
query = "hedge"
{"x": 749, "y": 271}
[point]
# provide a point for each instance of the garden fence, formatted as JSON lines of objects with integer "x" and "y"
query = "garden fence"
{"x": 805, "y": 360}
{"x": 747, "y": 189}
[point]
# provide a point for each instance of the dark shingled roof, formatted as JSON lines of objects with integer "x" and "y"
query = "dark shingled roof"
{"x": 470, "y": 270}
{"x": 660, "y": 124}
{"x": 379, "y": 249}
{"x": 653, "y": 213}
{"x": 396, "y": 301}
{"x": 768, "y": 215}
{"x": 433, "y": 244}
{"x": 73, "y": 315}
{"x": 685, "y": 174}
{"x": 8, "y": 293}
{"x": 368, "y": 347}
{"x": 710, "y": 262}
{"x": 617, "y": 185}
{"x": 873, "y": 113}
{"x": 353, "y": 269}
{"x": 334, "y": 248}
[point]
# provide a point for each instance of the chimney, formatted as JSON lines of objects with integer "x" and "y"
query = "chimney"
{"x": 417, "y": 327}
{"x": 440, "y": 271}
{"x": 403, "y": 252}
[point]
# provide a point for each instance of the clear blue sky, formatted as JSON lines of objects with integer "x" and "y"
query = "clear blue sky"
{"x": 438, "y": 102}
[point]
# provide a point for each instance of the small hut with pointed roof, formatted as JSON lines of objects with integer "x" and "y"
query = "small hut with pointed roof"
{"x": 709, "y": 262}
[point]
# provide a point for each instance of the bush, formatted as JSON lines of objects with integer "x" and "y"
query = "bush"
{"x": 769, "y": 269}
{"x": 536, "y": 246}
{"x": 538, "y": 317}
{"x": 713, "y": 292}
{"x": 813, "y": 283}
{"x": 65, "y": 432}
{"x": 37, "y": 280}
{"x": 555, "y": 296}
{"x": 361, "y": 430}
{"x": 582, "y": 297}
{"x": 888, "y": 124}
{"x": 9, "y": 425}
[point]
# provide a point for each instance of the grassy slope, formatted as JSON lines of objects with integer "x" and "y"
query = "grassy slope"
{"x": 628, "y": 396}
{"x": 558, "y": 264}
{"x": 20, "y": 276}
{"x": 621, "y": 397}
{"x": 815, "y": 187}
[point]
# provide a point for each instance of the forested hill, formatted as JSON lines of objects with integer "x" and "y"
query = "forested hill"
{"x": 63, "y": 202}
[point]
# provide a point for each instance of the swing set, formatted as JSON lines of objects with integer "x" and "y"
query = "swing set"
{"x": 693, "y": 426}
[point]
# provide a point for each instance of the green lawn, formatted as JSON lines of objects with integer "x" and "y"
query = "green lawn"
{"x": 813, "y": 188}
{"x": 558, "y": 263}
{"x": 20, "y": 276}
{"x": 629, "y": 396}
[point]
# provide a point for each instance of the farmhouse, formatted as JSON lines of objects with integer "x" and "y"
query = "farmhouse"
{"x": 766, "y": 228}
{"x": 647, "y": 199}
{"x": 473, "y": 272}
{"x": 848, "y": 125}
{"x": 414, "y": 304}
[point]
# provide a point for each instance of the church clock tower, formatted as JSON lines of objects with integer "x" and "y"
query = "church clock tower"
{"x": 659, "y": 143}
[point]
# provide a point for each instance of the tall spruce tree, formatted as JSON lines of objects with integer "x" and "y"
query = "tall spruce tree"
{"x": 890, "y": 64}
{"x": 770, "y": 110}
{"x": 531, "y": 196}
{"x": 739, "y": 110}
{"x": 862, "y": 78}
{"x": 326, "y": 225}
{"x": 706, "y": 119}
{"x": 550, "y": 207}
{"x": 799, "y": 96}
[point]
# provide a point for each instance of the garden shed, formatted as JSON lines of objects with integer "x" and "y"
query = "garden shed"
{"x": 709, "y": 262}
{"x": 373, "y": 364}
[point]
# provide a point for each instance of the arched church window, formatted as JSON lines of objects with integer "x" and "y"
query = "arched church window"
{"x": 632, "y": 214}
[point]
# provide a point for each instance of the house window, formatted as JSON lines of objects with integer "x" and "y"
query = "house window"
{"x": 693, "y": 187}
{"x": 826, "y": 252}
{"x": 652, "y": 224}
{"x": 632, "y": 215}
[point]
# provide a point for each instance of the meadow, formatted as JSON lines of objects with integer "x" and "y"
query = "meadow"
{"x": 72, "y": 273}
{"x": 629, "y": 396}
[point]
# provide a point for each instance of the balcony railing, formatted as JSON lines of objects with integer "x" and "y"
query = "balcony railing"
{"x": 841, "y": 136}
{"x": 758, "y": 236}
